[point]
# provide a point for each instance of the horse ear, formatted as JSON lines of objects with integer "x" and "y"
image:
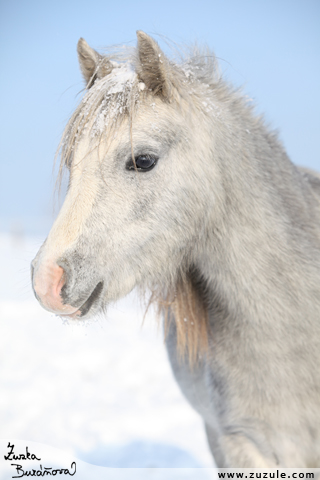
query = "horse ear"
{"x": 92, "y": 64}
{"x": 153, "y": 67}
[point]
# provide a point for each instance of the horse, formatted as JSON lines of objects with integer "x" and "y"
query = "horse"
{"x": 177, "y": 187}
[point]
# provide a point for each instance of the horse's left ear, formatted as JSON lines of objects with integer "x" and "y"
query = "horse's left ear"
{"x": 92, "y": 64}
{"x": 153, "y": 67}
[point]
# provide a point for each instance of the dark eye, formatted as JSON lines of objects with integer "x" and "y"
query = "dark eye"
{"x": 143, "y": 163}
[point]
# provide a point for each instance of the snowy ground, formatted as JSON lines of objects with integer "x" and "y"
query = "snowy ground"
{"x": 103, "y": 392}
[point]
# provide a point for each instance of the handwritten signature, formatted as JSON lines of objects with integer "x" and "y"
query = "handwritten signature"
{"x": 41, "y": 472}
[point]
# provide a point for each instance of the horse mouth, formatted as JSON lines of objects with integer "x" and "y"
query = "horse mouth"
{"x": 91, "y": 300}
{"x": 86, "y": 307}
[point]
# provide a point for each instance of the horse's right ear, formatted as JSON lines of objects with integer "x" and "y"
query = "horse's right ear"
{"x": 92, "y": 64}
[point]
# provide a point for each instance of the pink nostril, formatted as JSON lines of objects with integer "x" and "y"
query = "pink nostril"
{"x": 59, "y": 279}
{"x": 48, "y": 282}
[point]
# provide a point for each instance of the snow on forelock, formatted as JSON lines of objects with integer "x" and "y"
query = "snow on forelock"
{"x": 121, "y": 76}
{"x": 115, "y": 93}
{"x": 101, "y": 106}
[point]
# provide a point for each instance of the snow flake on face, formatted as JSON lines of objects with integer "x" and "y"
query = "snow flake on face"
{"x": 155, "y": 128}
{"x": 188, "y": 73}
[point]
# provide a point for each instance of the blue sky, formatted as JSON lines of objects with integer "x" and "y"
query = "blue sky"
{"x": 270, "y": 47}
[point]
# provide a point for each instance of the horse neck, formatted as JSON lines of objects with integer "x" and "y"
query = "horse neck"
{"x": 260, "y": 240}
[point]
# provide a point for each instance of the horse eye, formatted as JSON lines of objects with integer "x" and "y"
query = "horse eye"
{"x": 144, "y": 163}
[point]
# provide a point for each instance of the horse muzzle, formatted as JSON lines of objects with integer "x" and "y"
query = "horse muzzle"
{"x": 50, "y": 283}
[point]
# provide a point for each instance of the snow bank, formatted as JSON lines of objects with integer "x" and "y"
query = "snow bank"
{"x": 102, "y": 391}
